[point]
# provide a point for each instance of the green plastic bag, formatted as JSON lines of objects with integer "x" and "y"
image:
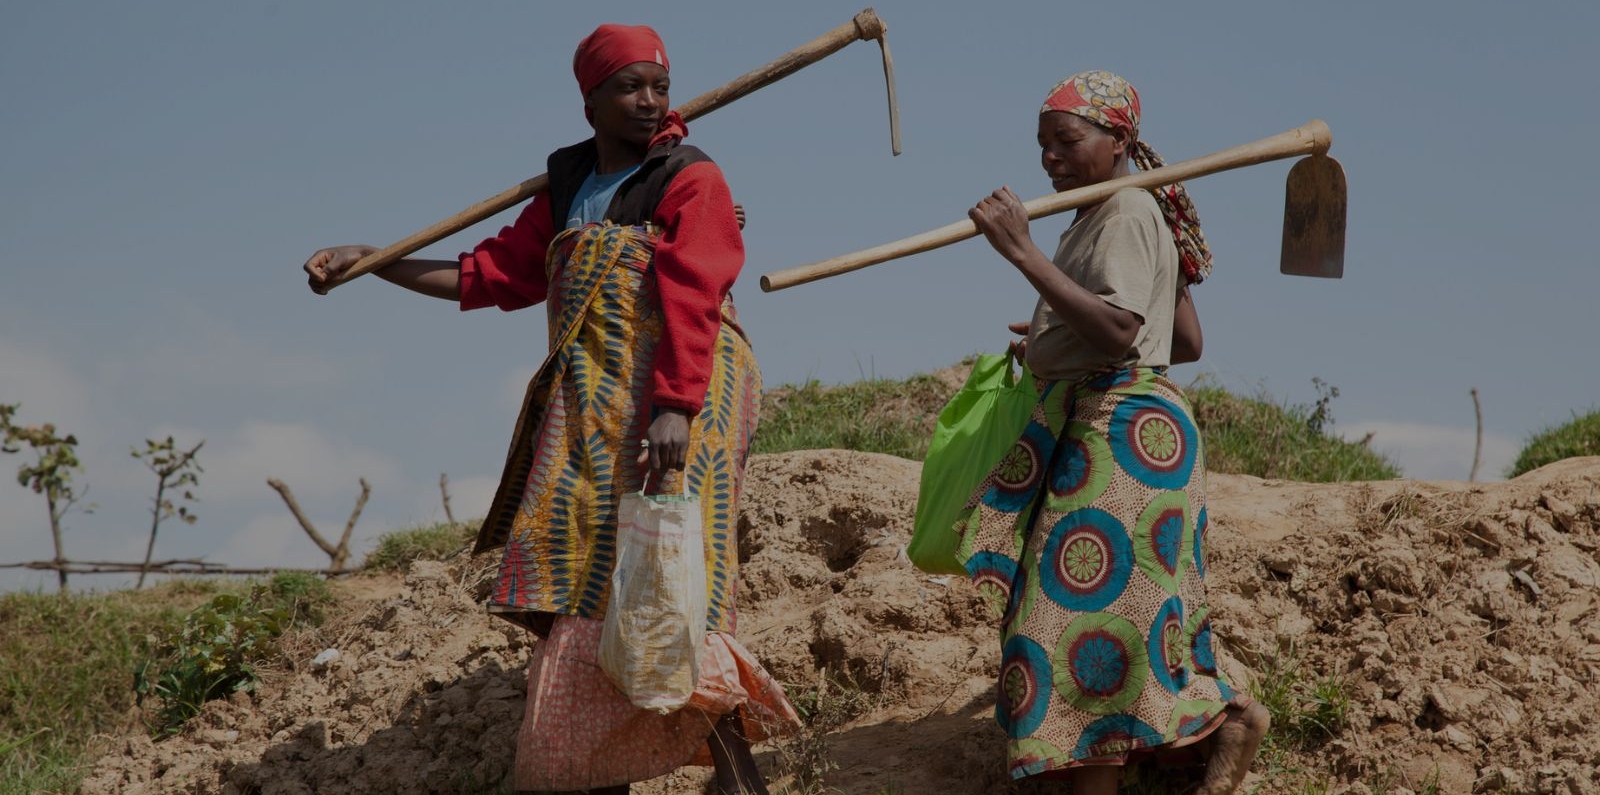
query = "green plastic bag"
{"x": 976, "y": 428}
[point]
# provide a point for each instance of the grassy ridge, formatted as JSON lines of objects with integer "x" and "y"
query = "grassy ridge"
{"x": 395, "y": 551}
{"x": 1256, "y": 436}
{"x": 1579, "y": 437}
{"x": 1243, "y": 435}
{"x": 876, "y": 416}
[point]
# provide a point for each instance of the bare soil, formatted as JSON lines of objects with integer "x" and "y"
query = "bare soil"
{"x": 1462, "y": 619}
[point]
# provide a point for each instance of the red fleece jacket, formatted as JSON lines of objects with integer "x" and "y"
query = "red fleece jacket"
{"x": 696, "y": 262}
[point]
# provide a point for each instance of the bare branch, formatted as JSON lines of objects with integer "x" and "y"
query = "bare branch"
{"x": 1477, "y": 448}
{"x": 344, "y": 541}
{"x": 337, "y": 555}
{"x": 299, "y": 516}
{"x": 444, "y": 493}
{"x": 175, "y": 567}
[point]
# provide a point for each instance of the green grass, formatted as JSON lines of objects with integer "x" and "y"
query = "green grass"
{"x": 304, "y": 595}
{"x": 66, "y": 670}
{"x": 1258, "y": 436}
{"x": 1306, "y": 710}
{"x": 1579, "y": 437}
{"x": 67, "y": 667}
{"x": 396, "y": 551}
{"x": 875, "y": 416}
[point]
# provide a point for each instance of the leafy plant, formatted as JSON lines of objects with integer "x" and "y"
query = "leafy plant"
{"x": 213, "y": 655}
{"x": 1322, "y": 411}
{"x": 56, "y": 457}
{"x": 174, "y": 469}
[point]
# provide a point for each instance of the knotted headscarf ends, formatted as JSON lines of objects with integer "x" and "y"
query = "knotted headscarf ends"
{"x": 1111, "y": 102}
{"x": 673, "y": 128}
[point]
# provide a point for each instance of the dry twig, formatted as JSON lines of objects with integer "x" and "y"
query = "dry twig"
{"x": 339, "y": 553}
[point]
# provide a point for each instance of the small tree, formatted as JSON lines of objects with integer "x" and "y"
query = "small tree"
{"x": 174, "y": 469}
{"x": 50, "y": 474}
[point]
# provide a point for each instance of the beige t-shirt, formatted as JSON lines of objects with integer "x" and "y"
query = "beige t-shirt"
{"x": 1124, "y": 253}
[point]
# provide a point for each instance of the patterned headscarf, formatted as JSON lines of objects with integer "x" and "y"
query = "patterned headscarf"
{"x": 1111, "y": 102}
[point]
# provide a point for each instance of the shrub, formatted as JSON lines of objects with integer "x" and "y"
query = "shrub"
{"x": 214, "y": 652}
{"x": 304, "y": 595}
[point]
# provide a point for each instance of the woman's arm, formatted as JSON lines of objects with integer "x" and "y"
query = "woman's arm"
{"x": 506, "y": 270}
{"x": 437, "y": 278}
{"x": 1004, "y": 221}
{"x": 697, "y": 258}
{"x": 1186, "y": 340}
{"x": 432, "y": 277}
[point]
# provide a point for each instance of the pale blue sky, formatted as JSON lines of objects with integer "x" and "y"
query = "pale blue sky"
{"x": 167, "y": 166}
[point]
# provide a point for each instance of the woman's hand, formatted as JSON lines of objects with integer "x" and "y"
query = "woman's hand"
{"x": 667, "y": 441}
{"x": 1004, "y": 221}
{"x": 329, "y": 264}
{"x": 1020, "y": 347}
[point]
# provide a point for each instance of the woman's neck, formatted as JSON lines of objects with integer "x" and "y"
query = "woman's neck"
{"x": 1118, "y": 171}
{"x": 615, "y": 155}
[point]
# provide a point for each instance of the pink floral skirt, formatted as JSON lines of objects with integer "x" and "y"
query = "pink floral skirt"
{"x": 579, "y": 732}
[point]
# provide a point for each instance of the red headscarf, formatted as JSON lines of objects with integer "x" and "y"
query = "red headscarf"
{"x": 1109, "y": 101}
{"x": 610, "y": 48}
{"x": 607, "y": 50}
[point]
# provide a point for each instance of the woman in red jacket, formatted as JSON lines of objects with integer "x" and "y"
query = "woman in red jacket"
{"x": 634, "y": 248}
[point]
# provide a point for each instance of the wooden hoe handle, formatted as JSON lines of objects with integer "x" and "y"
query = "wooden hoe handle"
{"x": 865, "y": 26}
{"x": 1311, "y": 138}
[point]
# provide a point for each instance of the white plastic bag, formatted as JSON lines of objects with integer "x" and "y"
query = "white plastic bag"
{"x": 655, "y": 624}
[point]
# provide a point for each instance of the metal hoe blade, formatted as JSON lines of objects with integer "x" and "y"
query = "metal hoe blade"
{"x": 1313, "y": 219}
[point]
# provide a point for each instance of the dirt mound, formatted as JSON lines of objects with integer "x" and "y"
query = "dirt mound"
{"x": 1463, "y": 621}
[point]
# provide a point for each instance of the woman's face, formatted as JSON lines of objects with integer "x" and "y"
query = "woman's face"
{"x": 630, "y": 104}
{"x": 1076, "y": 152}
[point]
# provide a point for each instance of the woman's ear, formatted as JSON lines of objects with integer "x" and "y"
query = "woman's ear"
{"x": 1121, "y": 141}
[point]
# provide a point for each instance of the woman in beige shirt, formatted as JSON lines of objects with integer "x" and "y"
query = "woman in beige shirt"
{"x": 1088, "y": 537}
